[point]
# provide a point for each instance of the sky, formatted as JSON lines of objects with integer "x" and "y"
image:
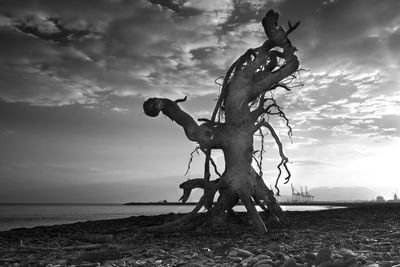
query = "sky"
{"x": 74, "y": 75}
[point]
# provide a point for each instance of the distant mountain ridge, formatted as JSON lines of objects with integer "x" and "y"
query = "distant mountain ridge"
{"x": 342, "y": 193}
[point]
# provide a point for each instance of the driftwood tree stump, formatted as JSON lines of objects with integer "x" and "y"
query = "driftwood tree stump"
{"x": 239, "y": 114}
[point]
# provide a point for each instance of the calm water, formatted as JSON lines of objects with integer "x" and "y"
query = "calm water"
{"x": 21, "y": 215}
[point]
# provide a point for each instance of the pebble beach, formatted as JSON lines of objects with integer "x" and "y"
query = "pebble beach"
{"x": 367, "y": 235}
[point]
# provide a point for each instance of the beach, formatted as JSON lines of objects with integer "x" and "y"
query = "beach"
{"x": 367, "y": 235}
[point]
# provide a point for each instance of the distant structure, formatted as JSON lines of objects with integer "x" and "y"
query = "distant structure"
{"x": 380, "y": 199}
{"x": 301, "y": 197}
{"x": 395, "y": 198}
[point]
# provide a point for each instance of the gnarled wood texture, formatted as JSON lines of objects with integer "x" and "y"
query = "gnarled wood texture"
{"x": 233, "y": 124}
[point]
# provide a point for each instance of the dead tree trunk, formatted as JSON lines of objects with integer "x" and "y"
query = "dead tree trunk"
{"x": 238, "y": 115}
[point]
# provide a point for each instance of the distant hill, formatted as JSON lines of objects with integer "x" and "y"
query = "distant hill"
{"x": 342, "y": 193}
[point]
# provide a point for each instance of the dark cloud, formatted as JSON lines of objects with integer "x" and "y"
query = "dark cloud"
{"x": 242, "y": 12}
{"x": 348, "y": 31}
{"x": 51, "y": 29}
{"x": 178, "y": 6}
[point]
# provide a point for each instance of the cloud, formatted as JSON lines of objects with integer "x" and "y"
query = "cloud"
{"x": 71, "y": 70}
{"x": 178, "y": 7}
{"x": 310, "y": 163}
{"x": 143, "y": 49}
{"x": 51, "y": 29}
{"x": 135, "y": 48}
{"x": 120, "y": 110}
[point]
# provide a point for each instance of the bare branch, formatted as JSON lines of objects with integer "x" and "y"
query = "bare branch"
{"x": 181, "y": 100}
{"x": 217, "y": 79}
{"x": 284, "y": 159}
{"x": 191, "y": 159}
{"x": 263, "y": 193}
{"x": 292, "y": 27}
{"x": 279, "y": 37}
{"x": 258, "y": 54}
{"x": 284, "y": 86}
{"x": 261, "y": 152}
{"x": 209, "y": 187}
{"x": 260, "y": 109}
{"x": 215, "y": 167}
{"x": 224, "y": 88}
{"x": 282, "y": 115}
{"x": 209, "y": 122}
{"x": 268, "y": 110}
{"x": 207, "y": 152}
{"x": 202, "y": 134}
{"x": 207, "y": 174}
{"x": 188, "y": 186}
{"x": 258, "y": 165}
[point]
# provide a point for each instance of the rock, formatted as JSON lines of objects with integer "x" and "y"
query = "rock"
{"x": 338, "y": 263}
{"x": 386, "y": 256}
{"x": 298, "y": 259}
{"x": 276, "y": 248}
{"x": 394, "y": 250}
{"x": 222, "y": 250}
{"x": 270, "y": 253}
{"x": 309, "y": 258}
{"x": 263, "y": 257}
{"x": 323, "y": 255}
{"x": 372, "y": 258}
{"x": 349, "y": 262}
{"x": 280, "y": 256}
{"x": 290, "y": 262}
{"x": 89, "y": 264}
{"x": 97, "y": 256}
{"x": 140, "y": 262}
{"x": 205, "y": 249}
{"x": 361, "y": 259}
{"x": 337, "y": 257}
{"x": 386, "y": 264}
{"x": 264, "y": 263}
{"x": 235, "y": 259}
{"x": 261, "y": 264}
{"x": 193, "y": 264}
{"x": 242, "y": 252}
{"x": 346, "y": 253}
{"x": 249, "y": 261}
{"x": 233, "y": 253}
{"x": 391, "y": 235}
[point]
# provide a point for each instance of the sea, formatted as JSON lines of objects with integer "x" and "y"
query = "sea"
{"x": 31, "y": 215}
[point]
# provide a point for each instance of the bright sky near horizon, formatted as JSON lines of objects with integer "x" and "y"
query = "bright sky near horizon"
{"x": 74, "y": 75}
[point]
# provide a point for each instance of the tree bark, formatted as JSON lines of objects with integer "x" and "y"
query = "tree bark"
{"x": 247, "y": 80}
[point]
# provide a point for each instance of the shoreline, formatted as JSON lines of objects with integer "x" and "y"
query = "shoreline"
{"x": 356, "y": 236}
{"x": 28, "y": 216}
{"x": 311, "y": 203}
